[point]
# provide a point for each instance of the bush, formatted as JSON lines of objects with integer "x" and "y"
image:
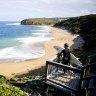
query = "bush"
{"x": 6, "y": 89}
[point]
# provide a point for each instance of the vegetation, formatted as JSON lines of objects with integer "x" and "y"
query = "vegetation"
{"x": 86, "y": 27}
{"x": 6, "y": 89}
{"x": 41, "y": 21}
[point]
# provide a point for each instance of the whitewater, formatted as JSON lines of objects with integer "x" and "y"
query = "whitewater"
{"x": 22, "y": 42}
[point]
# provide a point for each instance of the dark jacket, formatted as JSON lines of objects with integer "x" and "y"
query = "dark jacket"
{"x": 65, "y": 56}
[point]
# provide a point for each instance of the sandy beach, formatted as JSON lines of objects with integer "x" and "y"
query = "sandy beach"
{"x": 59, "y": 38}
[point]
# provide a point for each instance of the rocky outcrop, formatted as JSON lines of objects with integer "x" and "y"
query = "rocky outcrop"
{"x": 30, "y": 22}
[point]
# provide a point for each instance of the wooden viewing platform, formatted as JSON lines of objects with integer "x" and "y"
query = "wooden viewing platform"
{"x": 71, "y": 79}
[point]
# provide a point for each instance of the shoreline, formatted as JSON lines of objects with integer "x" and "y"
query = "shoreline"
{"x": 14, "y": 49}
{"x": 60, "y": 37}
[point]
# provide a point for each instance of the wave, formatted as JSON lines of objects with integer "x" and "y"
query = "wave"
{"x": 31, "y": 40}
{"x": 23, "y": 50}
{"x": 21, "y": 53}
{"x": 43, "y": 29}
{"x": 13, "y": 24}
{"x": 47, "y": 34}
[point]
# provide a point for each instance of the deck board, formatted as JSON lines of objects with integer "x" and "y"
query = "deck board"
{"x": 67, "y": 79}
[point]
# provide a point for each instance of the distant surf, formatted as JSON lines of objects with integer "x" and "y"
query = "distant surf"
{"x": 13, "y": 24}
{"x": 20, "y": 42}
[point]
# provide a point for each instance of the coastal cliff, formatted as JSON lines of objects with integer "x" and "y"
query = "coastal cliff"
{"x": 86, "y": 27}
{"x": 41, "y": 21}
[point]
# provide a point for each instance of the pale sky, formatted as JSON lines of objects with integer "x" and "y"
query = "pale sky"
{"x": 15, "y": 10}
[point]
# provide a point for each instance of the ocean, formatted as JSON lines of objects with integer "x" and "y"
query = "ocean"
{"x": 22, "y": 42}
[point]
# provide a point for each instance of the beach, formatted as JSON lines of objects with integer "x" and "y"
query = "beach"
{"x": 60, "y": 37}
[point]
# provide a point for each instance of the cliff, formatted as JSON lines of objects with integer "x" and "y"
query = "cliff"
{"x": 41, "y": 21}
{"x": 86, "y": 27}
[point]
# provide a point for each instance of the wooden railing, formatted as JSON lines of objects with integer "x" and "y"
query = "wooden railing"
{"x": 89, "y": 76}
{"x": 69, "y": 78}
{"x": 65, "y": 77}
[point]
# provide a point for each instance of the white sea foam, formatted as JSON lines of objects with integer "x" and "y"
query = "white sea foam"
{"x": 21, "y": 53}
{"x": 47, "y": 34}
{"x": 32, "y": 40}
{"x": 43, "y": 33}
{"x": 24, "y": 51}
{"x": 13, "y": 24}
{"x": 47, "y": 29}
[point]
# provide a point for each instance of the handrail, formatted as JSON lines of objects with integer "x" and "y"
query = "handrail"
{"x": 63, "y": 86}
{"x": 81, "y": 71}
{"x": 89, "y": 89}
{"x": 65, "y": 66}
{"x": 89, "y": 65}
{"x": 91, "y": 56}
{"x": 89, "y": 77}
{"x": 77, "y": 70}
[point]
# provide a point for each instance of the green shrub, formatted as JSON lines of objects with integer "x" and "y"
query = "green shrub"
{"x": 6, "y": 89}
{"x": 9, "y": 90}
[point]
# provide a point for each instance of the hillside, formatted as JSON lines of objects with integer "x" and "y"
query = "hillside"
{"x": 41, "y": 21}
{"x": 86, "y": 27}
{"x": 7, "y": 89}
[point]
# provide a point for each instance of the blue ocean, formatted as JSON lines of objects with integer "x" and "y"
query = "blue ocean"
{"x": 22, "y": 42}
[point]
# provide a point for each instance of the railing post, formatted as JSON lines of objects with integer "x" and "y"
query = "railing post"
{"x": 78, "y": 93}
{"x": 45, "y": 85}
{"x": 46, "y": 70}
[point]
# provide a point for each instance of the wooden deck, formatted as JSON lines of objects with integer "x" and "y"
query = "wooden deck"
{"x": 68, "y": 78}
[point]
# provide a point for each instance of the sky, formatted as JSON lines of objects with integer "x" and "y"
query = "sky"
{"x": 16, "y": 10}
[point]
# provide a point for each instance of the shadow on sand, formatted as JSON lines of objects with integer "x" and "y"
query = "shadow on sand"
{"x": 37, "y": 72}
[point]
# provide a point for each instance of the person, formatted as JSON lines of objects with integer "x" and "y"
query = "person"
{"x": 65, "y": 54}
